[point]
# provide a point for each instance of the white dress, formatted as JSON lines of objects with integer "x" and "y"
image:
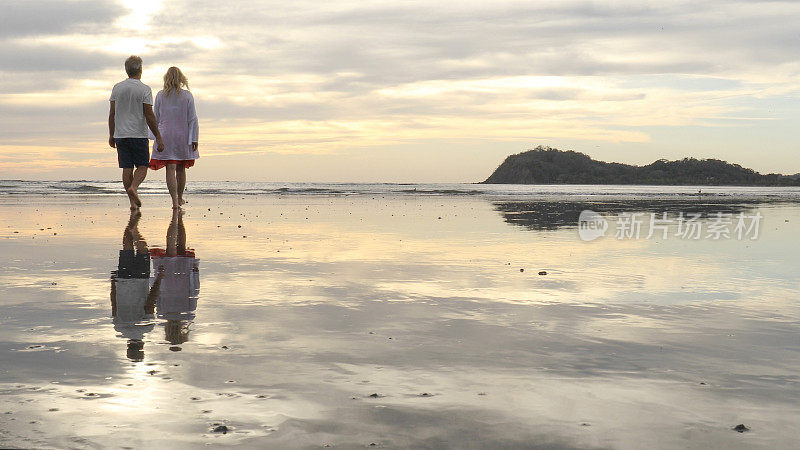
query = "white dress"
{"x": 180, "y": 287}
{"x": 177, "y": 122}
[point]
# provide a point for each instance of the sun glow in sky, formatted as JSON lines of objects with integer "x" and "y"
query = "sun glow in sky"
{"x": 408, "y": 90}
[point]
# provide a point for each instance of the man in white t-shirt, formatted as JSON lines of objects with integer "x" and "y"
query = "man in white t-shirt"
{"x": 130, "y": 116}
{"x": 133, "y": 300}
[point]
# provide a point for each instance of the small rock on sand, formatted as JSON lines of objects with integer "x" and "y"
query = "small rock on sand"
{"x": 542, "y": 272}
{"x": 220, "y": 429}
{"x": 741, "y": 428}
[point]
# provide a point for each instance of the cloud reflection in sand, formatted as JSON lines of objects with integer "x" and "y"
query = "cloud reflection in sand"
{"x": 329, "y": 299}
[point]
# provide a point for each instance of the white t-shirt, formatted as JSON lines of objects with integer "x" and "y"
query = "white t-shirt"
{"x": 128, "y": 97}
{"x": 132, "y": 321}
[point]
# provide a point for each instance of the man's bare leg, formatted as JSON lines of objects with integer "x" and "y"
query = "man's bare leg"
{"x": 172, "y": 185}
{"x": 180, "y": 173}
{"x": 127, "y": 239}
{"x": 136, "y": 179}
{"x": 133, "y": 230}
{"x": 127, "y": 179}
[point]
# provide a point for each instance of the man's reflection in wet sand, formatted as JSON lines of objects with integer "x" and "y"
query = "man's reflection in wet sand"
{"x": 177, "y": 296}
{"x": 133, "y": 297}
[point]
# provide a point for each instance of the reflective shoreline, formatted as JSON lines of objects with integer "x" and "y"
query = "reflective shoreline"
{"x": 316, "y": 303}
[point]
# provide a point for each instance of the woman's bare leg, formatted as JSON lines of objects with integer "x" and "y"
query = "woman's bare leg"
{"x": 172, "y": 185}
{"x": 181, "y": 240}
{"x": 181, "y": 176}
{"x": 172, "y": 234}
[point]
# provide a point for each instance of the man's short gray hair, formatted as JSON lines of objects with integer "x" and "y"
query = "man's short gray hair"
{"x": 133, "y": 65}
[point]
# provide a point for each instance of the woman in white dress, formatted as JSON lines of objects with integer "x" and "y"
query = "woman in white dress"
{"x": 177, "y": 122}
{"x": 176, "y": 298}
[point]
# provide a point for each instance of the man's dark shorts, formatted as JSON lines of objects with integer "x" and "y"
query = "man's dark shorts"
{"x": 133, "y": 265}
{"x": 133, "y": 152}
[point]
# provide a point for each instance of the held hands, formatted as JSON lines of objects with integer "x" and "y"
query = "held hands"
{"x": 111, "y": 142}
{"x": 194, "y": 146}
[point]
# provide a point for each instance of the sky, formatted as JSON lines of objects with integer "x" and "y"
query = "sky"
{"x": 406, "y": 91}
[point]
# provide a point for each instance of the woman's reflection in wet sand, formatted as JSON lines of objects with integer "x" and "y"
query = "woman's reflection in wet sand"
{"x": 133, "y": 296}
{"x": 176, "y": 300}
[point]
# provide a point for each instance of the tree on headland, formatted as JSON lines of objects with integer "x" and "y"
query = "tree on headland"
{"x": 547, "y": 165}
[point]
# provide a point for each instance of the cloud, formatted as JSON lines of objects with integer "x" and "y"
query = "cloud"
{"x": 52, "y": 17}
{"x": 412, "y": 41}
{"x": 311, "y": 77}
{"x": 70, "y": 61}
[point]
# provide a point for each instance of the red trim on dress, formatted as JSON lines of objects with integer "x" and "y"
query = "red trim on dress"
{"x": 156, "y": 164}
{"x": 162, "y": 253}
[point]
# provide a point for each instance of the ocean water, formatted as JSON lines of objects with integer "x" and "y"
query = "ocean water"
{"x": 399, "y": 316}
{"x": 86, "y": 187}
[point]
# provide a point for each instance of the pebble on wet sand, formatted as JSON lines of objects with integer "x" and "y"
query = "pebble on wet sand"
{"x": 220, "y": 429}
{"x": 741, "y": 428}
{"x": 542, "y": 272}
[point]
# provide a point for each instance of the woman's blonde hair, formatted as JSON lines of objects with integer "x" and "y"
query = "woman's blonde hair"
{"x": 174, "y": 79}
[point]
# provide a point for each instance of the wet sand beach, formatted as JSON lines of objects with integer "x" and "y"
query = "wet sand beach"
{"x": 390, "y": 321}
